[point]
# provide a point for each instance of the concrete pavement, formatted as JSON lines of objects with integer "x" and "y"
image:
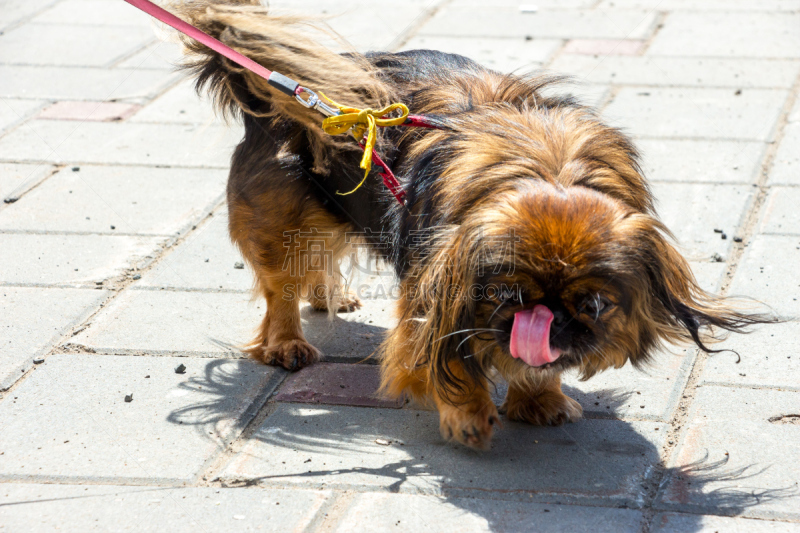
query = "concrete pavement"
{"x": 116, "y": 271}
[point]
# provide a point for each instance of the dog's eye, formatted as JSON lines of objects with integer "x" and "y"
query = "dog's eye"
{"x": 596, "y": 305}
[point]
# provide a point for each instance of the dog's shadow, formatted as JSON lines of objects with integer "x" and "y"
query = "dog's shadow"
{"x": 599, "y": 462}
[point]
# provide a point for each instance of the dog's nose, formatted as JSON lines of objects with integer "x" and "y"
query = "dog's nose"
{"x": 558, "y": 316}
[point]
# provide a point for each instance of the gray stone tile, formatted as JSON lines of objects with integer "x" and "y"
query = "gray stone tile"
{"x": 206, "y": 259}
{"x": 738, "y": 73}
{"x": 352, "y": 336}
{"x": 142, "y": 200}
{"x": 179, "y": 105}
{"x": 563, "y": 4}
{"x": 70, "y": 45}
{"x": 786, "y": 166}
{"x": 69, "y": 421}
{"x": 780, "y": 215}
{"x": 479, "y": 22}
{"x": 693, "y": 211}
{"x": 701, "y": 160}
{"x": 27, "y": 332}
{"x": 16, "y": 10}
{"x": 719, "y": 34}
{"x": 794, "y": 116}
{"x": 94, "y": 13}
{"x": 770, "y": 357}
{"x": 503, "y": 55}
{"x": 14, "y": 111}
{"x": 16, "y": 180}
{"x": 681, "y": 523}
{"x": 121, "y": 143}
{"x": 707, "y": 5}
{"x": 162, "y": 55}
{"x": 78, "y": 508}
{"x": 732, "y": 458}
{"x": 71, "y": 260}
{"x": 82, "y": 83}
{"x": 429, "y": 514}
{"x": 706, "y": 113}
{"x": 650, "y": 393}
{"x": 336, "y": 447}
{"x": 768, "y": 273}
{"x": 592, "y": 95}
{"x": 173, "y": 322}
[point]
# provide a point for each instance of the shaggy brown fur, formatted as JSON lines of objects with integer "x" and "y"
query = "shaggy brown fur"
{"x": 523, "y": 200}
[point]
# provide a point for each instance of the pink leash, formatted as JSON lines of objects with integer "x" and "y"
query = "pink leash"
{"x": 279, "y": 81}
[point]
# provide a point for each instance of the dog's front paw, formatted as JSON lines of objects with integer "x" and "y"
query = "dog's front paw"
{"x": 471, "y": 425}
{"x": 548, "y": 408}
{"x": 291, "y": 355}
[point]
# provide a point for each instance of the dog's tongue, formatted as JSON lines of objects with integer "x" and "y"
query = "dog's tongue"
{"x": 530, "y": 336}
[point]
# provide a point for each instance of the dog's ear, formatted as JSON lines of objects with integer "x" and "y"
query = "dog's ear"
{"x": 679, "y": 309}
{"x": 439, "y": 295}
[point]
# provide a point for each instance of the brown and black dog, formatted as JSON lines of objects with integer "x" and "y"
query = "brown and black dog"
{"x": 528, "y": 242}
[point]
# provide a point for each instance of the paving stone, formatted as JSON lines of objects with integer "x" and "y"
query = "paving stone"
{"x": 559, "y": 24}
{"x": 589, "y": 94}
{"x": 82, "y": 83}
{"x": 693, "y": 211}
{"x": 69, "y": 44}
{"x": 14, "y": 110}
{"x": 71, "y": 260}
{"x": 786, "y": 166}
{"x": 770, "y": 357}
{"x": 650, "y": 393}
{"x": 27, "y": 332}
{"x": 429, "y": 514}
{"x": 780, "y": 215}
{"x": 16, "y": 180}
{"x": 76, "y": 508}
{"x": 604, "y": 47}
{"x": 707, "y": 5}
{"x": 501, "y": 54}
{"x": 652, "y": 112}
{"x": 736, "y": 73}
{"x": 768, "y": 272}
{"x": 562, "y": 4}
{"x": 179, "y": 105}
{"x": 173, "y": 322}
{"x": 84, "y": 430}
{"x": 161, "y": 55}
{"x": 680, "y": 523}
{"x": 336, "y": 384}
{"x": 121, "y": 143}
{"x": 335, "y": 447}
{"x": 712, "y": 161}
{"x": 16, "y": 10}
{"x": 204, "y": 260}
{"x": 350, "y": 336}
{"x": 739, "y": 458}
{"x": 719, "y": 34}
{"x": 89, "y": 111}
{"x": 93, "y": 13}
{"x": 141, "y": 200}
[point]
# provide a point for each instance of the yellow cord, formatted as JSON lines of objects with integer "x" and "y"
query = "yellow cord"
{"x": 361, "y": 122}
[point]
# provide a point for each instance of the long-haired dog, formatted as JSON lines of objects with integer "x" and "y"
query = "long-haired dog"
{"x": 528, "y": 242}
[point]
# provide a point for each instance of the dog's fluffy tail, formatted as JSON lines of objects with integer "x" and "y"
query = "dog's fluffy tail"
{"x": 286, "y": 44}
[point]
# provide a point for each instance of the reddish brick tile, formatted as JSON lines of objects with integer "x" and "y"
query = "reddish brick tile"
{"x": 336, "y": 384}
{"x": 93, "y": 111}
{"x": 604, "y": 47}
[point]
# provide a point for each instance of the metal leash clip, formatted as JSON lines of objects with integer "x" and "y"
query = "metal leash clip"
{"x": 315, "y": 102}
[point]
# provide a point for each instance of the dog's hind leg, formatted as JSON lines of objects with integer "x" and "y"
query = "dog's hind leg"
{"x": 293, "y": 245}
